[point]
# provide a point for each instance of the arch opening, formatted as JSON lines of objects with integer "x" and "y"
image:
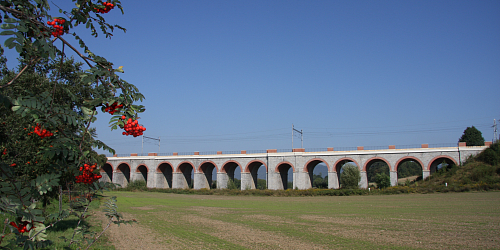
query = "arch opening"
{"x": 409, "y": 170}
{"x": 107, "y": 173}
{"x": 339, "y": 169}
{"x": 317, "y": 169}
{"x": 124, "y": 176}
{"x": 286, "y": 173}
{"x": 375, "y": 167}
{"x": 165, "y": 179}
{"x": 441, "y": 164}
{"x": 187, "y": 175}
{"x": 233, "y": 171}
{"x": 143, "y": 173}
{"x": 258, "y": 169}
{"x": 208, "y": 169}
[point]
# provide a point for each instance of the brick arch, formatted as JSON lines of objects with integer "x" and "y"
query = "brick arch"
{"x": 281, "y": 163}
{"x": 211, "y": 162}
{"x": 108, "y": 163}
{"x": 440, "y": 157}
{"x": 344, "y": 159}
{"x": 247, "y": 170}
{"x": 137, "y": 169}
{"x": 164, "y": 162}
{"x": 316, "y": 159}
{"x": 223, "y": 168}
{"x": 422, "y": 165}
{"x": 376, "y": 158}
{"x": 118, "y": 167}
{"x": 177, "y": 169}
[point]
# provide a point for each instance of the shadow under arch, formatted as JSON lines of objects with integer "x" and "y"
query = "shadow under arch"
{"x": 164, "y": 180}
{"x": 435, "y": 163}
{"x": 229, "y": 168}
{"x": 123, "y": 174}
{"x": 207, "y": 169}
{"x": 309, "y": 168}
{"x": 187, "y": 169}
{"x": 107, "y": 172}
{"x": 283, "y": 169}
{"x": 143, "y": 170}
{"x": 253, "y": 168}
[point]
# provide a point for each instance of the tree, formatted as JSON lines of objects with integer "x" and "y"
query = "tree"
{"x": 376, "y": 168}
{"x": 382, "y": 180}
{"x": 47, "y": 107}
{"x": 472, "y": 137}
{"x": 350, "y": 176}
{"x": 319, "y": 181}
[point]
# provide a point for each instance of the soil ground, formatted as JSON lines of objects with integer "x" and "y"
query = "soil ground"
{"x": 416, "y": 221}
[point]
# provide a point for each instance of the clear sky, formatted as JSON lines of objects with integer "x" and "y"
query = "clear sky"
{"x": 235, "y": 75}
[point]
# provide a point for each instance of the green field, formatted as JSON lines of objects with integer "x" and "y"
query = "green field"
{"x": 412, "y": 221}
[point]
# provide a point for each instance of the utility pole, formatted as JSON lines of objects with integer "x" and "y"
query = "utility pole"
{"x": 495, "y": 135}
{"x": 301, "y": 136}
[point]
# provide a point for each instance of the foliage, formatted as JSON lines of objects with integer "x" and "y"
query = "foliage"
{"x": 472, "y": 137}
{"x": 137, "y": 185}
{"x": 319, "y": 181}
{"x": 377, "y": 167}
{"x": 490, "y": 155}
{"x": 350, "y": 176}
{"x": 51, "y": 93}
{"x": 409, "y": 168}
{"x": 382, "y": 180}
{"x": 261, "y": 184}
{"x": 233, "y": 183}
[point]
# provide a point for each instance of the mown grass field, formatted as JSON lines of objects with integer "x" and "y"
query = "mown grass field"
{"x": 468, "y": 220}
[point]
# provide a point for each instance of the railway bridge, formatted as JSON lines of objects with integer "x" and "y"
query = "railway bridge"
{"x": 195, "y": 170}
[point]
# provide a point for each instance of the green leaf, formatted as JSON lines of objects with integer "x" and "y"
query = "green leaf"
{"x": 10, "y": 20}
{"x": 22, "y": 28}
{"x": 10, "y": 42}
{"x": 7, "y": 33}
{"x": 7, "y": 26}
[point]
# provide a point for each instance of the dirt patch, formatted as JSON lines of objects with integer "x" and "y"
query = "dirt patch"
{"x": 250, "y": 238}
{"x": 134, "y": 236}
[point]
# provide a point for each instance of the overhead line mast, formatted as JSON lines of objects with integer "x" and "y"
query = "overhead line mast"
{"x": 301, "y": 136}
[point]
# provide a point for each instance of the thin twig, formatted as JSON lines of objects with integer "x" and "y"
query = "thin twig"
{"x": 98, "y": 236}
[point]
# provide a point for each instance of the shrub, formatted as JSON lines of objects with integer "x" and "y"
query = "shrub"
{"x": 350, "y": 177}
{"x": 138, "y": 185}
{"x": 233, "y": 184}
{"x": 382, "y": 180}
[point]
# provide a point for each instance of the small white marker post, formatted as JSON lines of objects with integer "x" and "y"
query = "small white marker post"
{"x": 446, "y": 184}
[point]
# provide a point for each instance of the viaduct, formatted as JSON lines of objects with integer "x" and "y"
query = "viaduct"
{"x": 176, "y": 171}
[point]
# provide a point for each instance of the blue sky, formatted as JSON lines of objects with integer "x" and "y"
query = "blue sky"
{"x": 235, "y": 75}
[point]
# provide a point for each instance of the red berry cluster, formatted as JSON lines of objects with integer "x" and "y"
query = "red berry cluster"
{"x": 87, "y": 175}
{"x": 41, "y": 132}
{"x": 107, "y": 8}
{"x": 21, "y": 227}
{"x": 59, "y": 29}
{"x": 112, "y": 109}
{"x": 132, "y": 127}
{"x": 4, "y": 151}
